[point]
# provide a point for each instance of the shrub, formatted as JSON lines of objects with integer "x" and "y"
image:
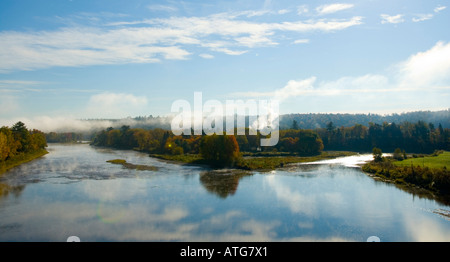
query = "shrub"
{"x": 377, "y": 154}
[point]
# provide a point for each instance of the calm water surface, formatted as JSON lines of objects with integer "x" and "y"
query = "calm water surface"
{"x": 74, "y": 191}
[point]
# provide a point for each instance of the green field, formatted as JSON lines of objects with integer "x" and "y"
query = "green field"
{"x": 440, "y": 161}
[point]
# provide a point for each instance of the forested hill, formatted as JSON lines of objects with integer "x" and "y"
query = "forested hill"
{"x": 313, "y": 121}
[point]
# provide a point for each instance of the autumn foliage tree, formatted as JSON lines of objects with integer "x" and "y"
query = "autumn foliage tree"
{"x": 19, "y": 140}
{"x": 220, "y": 150}
{"x": 302, "y": 142}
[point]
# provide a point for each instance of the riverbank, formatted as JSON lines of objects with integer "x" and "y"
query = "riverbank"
{"x": 257, "y": 161}
{"x": 415, "y": 174}
{"x": 21, "y": 159}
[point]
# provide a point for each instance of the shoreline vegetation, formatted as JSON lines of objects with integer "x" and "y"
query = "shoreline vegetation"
{"x": 425, "y": 173}
{"x": 21, "y": 159}
{"x": 19, "y": 145}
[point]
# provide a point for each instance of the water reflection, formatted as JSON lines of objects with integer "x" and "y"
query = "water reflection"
{"x": 79, "y": 193}
{"x": 292, "y": 197}
{"x": 6, "y": 189}
{"x": 420, "y": 193}
{"x": 222, "y": 182}
{"x": 442, "y": 212}
{"x": 348, "y": 161}
{"x": 424, "y": 229}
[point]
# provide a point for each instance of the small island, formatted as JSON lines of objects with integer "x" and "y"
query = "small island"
{"x": 256, "y": 161}
{"x": 125, "y": 164}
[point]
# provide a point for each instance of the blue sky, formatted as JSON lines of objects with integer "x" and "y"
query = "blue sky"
{"x": 71, "y": 59}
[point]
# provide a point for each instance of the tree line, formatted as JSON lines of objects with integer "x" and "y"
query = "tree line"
{"x": 17, "y": 140}
{"x": 320, "y": 120}
{"x": 68, "y": 137}
{"x": 420, "y": 137}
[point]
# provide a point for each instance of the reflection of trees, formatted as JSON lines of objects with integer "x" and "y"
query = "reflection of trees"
{"x": 425, "y": 194}
{"x": 222, "y": 182}
{"x": 6, "y": 189}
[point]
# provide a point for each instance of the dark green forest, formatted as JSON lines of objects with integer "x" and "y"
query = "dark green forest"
{"x": 314, "y": 121}
{"x": 420, "y": 137}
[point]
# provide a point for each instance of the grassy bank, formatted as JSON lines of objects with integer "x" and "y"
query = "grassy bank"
{"x": 21, "y": 159}
{"x": 258, "y": 161}
{"x": 428, "y": 173}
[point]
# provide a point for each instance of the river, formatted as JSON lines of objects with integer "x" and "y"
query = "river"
{"x": 73, "y": 191}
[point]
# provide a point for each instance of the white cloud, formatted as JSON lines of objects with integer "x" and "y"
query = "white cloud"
{"x": 332, "y": 8}
{"x": 301, "y": 41}
{"x": 85, "y": 46}
{"x": 439, "y": 8}
{"x": 369, "y": 83}
{"x": 110, "y": 99}
{"x": 228, "y": 51}
{"x": 303, "y": 9}
{"x": 422, "y": 17}
{"x": 115, "y": 105}
{"x": 394, "y": 19}
{"x": 320, "y": 25}
{"x": 295, "y": 88}
{"x": 206, "y": 56}
{"x": 428, "y": 70}
{"x": 252, "y": 13}
{"x": 148, "y": 41}
{"x": 7, "y": 86}
{"x": 18, "y": 83}
{"x": 164, "y": 8}
{"x": 283, "y": 11}
{"x": 254, "y": 40}
{"x": 311, "y": 87}
{"x": 244, "y": 33}
{"x": 292, "y": 89}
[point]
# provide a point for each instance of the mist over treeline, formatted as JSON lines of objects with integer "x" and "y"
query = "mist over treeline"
{"x": 88, "y": 126}
{"x": 317, "y": 120}
{"x": 85, "y": 129}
